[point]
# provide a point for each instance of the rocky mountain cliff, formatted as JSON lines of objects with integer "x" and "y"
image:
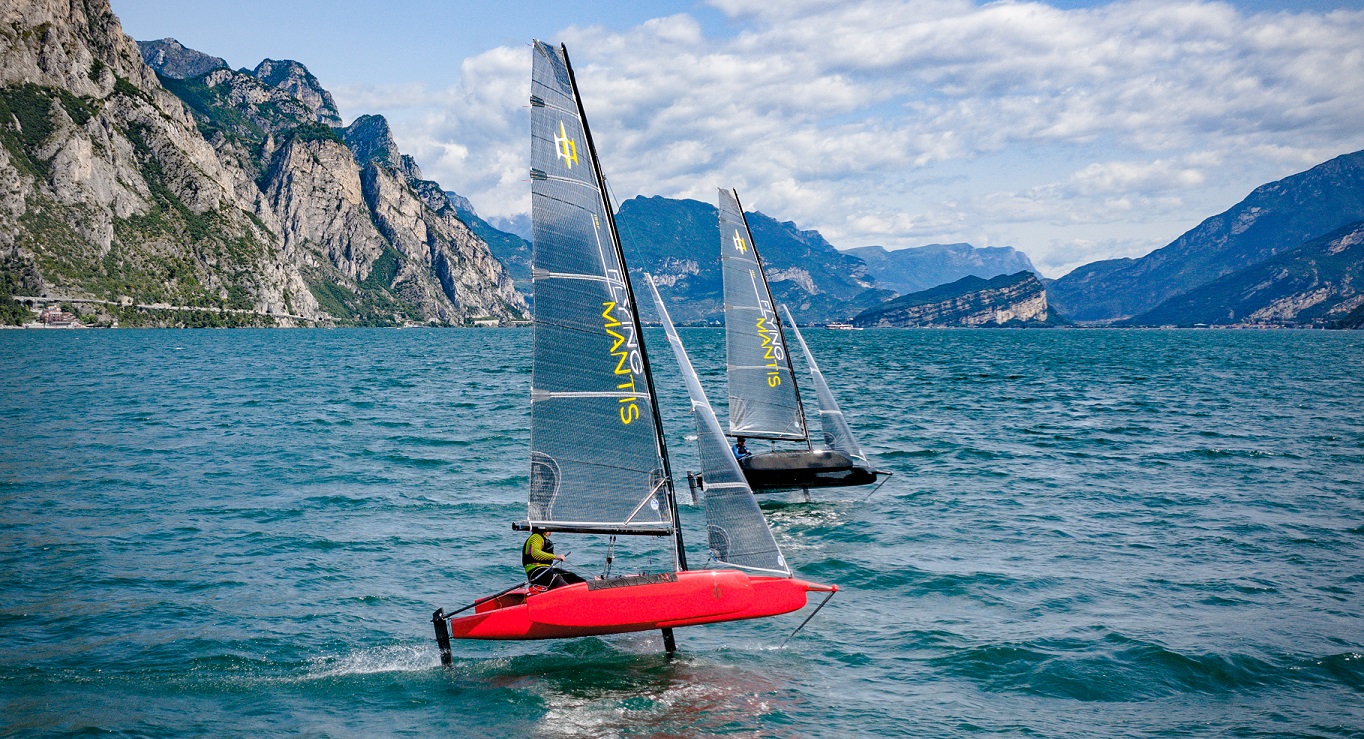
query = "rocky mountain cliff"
{"x": 295, "y": 79}
{"x": 1318, "y": 284}
{"x": 678, "y": 241}
{"x": 919, "y": 268}
{"x": 419, "y": 219}
{"x": 108, "y": 191}
{"x": 1007, "y": 300}
{"x": 511, "y": 249}
{"x": 172, "y": 59}
{"x": 1276, "y": 217}
{"x": 222, "y": 191}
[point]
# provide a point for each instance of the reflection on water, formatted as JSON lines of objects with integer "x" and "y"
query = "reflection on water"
{"x": 627, "y": 686}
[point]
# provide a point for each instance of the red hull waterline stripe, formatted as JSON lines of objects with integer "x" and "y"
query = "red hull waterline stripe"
{"x": 688, "y": 598}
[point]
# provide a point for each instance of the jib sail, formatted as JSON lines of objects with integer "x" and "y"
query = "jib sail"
{"x": 738, "y": 533}
{"x": 837, "y": 435}
{"x": 763, "y": 399}
{"x": 597, "y": 456}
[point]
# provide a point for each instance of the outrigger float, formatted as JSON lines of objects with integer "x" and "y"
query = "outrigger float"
{"x": 599, "y": 463}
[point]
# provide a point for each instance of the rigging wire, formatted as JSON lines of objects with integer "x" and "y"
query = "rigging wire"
{"x": 610, "y": 556}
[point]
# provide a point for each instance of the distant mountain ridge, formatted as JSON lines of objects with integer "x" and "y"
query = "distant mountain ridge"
{"x": 921, "y": 267}
{"x": 1016, "y": 300}
{"x": 518, "y": 224}
{"x": 512, "y": 250}
{"x": 1274, "y": 218}
{"x": 678, "y": 241}
{"x": 172, "y": 59}
{"x": 1317, "y": 284}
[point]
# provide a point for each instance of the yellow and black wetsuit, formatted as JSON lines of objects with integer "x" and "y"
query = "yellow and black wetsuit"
{"x": 536, "y": 554}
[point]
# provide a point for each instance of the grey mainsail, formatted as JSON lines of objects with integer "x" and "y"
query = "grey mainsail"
{"x": 837, "y": 435}
{"x": 597, "y": 456}
{"x": 763, "y": 399}
{"x": 738, "y": 533}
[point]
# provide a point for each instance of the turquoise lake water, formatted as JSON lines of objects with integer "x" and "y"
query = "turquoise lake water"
{"x": 1089, "y": 532}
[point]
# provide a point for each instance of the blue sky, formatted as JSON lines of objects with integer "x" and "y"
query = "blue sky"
{"x": 1071, "y": 130}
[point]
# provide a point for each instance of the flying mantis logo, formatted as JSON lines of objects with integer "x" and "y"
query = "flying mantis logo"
{"x": 566, "y": 147}
{"x": 739, "y": 243}
{"x": 624, "y": 340}
{"x": 770, "y": 335}
{"x": 625, "y": 350}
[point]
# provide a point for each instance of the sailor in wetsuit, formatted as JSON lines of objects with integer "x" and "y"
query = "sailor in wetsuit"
{"x": 740, "y": 450}
{"x": 538, "y": 557}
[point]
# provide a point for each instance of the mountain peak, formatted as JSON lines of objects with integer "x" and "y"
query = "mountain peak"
{"x": 371, "y": 140}
{"x": 170, "y": 58}
{"x": 295, "y": 79}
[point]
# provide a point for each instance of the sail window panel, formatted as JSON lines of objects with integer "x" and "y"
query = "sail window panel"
{"x": 560, "y": 221}
{"x": 589, "y": 467}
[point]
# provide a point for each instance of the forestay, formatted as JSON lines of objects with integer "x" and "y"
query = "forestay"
{"x": 597, "y": 461}
{"x": 763, "y": 399}
{"x": 837, "y": 435}
{"x": 738, "y": 533}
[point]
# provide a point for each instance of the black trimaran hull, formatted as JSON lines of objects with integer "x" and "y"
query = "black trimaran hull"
{"x": 804, "y": 468}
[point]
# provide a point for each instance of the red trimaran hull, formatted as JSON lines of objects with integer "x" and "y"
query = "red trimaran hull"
{"x": 628, "y": 604}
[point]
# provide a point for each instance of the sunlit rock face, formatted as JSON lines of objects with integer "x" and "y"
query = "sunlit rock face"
{"x": 154, "y": 174}
{"x": 1008, "y": 300}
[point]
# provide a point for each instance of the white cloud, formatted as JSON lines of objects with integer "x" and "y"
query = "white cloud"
{"x": 1097, "y": 123}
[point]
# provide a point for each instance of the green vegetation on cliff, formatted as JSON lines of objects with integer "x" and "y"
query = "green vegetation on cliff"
{"x": 31, "y": 106}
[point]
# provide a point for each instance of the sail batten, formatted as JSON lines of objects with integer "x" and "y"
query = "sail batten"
{"x": 597, "y": 454}
{"x": 764, "y": 401}
{"x": 738, "y": 534}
